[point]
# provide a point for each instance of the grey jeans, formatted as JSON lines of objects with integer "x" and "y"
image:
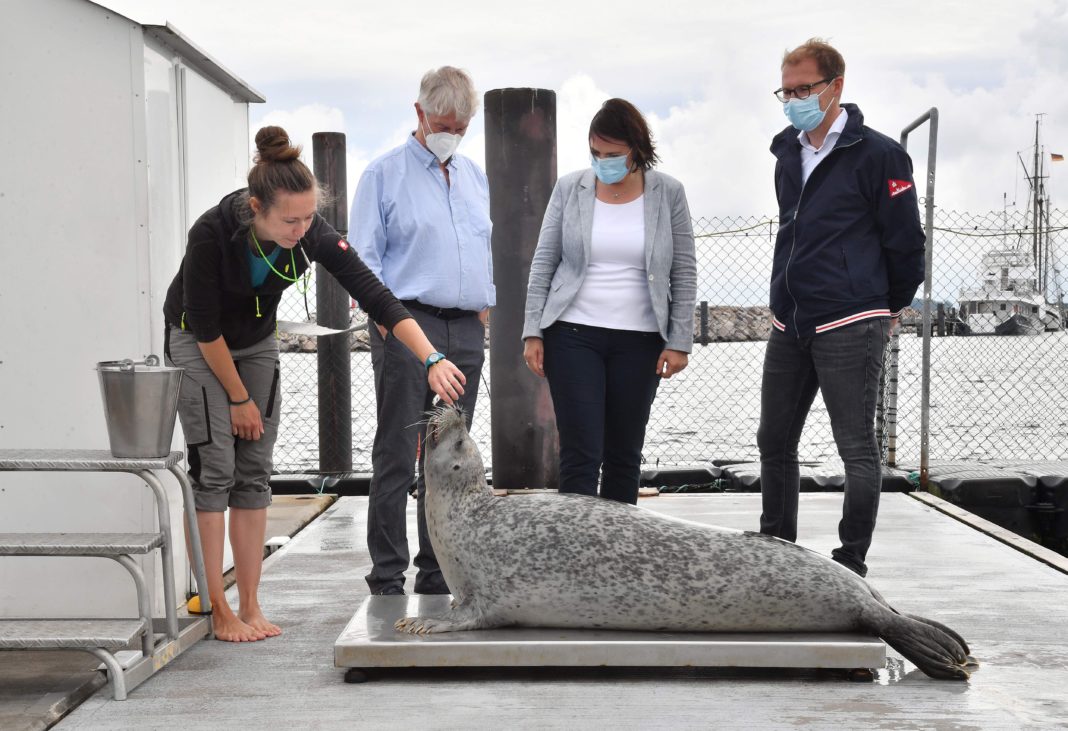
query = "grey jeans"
{"x": 226, "y": 471}
{"x": 403, "y": 399}
{"x": 845, "y": 365}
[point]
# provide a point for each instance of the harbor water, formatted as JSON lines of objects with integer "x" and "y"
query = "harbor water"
{"x": 992, "y": 398}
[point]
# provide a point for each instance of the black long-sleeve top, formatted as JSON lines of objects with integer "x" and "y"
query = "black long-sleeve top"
{"x": 212, "y": 293}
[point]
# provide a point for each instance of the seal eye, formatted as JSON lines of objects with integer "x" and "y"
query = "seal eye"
{"x": 455, "y": 467}
{"x": 459, "y": 443}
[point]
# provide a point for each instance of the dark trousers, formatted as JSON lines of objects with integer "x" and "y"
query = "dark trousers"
{"x": 403, "y": 398}
{"x": 603, "y": 383}
{"x": 844, "y": 364}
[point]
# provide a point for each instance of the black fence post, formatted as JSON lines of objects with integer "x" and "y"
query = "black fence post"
{"x": 332, "y": 310}
{"x": 521, "y": 166}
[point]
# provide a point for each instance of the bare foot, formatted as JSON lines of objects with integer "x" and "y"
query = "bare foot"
{"x": 231, "y": 629}
{"x": 258, "y": 622}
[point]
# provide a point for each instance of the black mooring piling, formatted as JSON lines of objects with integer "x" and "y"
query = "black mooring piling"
{"x": 332, "y": 310}
{"x": 521, "y": 166}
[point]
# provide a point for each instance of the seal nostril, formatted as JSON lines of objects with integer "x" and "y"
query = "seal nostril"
{"x": 455, "y": 467}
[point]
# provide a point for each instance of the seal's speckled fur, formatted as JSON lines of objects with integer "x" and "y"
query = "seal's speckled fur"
{"x": 553, "y": 560}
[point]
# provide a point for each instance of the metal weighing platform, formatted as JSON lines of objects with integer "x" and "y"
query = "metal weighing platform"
{"x": 370, "y": 641}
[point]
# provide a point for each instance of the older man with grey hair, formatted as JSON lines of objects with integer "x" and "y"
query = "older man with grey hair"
{"x": 420, "y": 220}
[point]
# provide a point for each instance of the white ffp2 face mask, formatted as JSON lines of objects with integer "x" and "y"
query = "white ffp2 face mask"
{"x": 442, "y": 144}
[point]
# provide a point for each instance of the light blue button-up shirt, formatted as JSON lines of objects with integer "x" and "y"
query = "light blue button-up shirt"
{"x": 425, "y": 239}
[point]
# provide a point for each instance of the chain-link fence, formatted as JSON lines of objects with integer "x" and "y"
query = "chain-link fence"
{"x": 993, "y": 396}
{"x": 998, "y": 381}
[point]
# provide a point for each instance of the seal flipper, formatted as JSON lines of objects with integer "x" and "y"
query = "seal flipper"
{"x": 937, "y": 625}
{"x": 942, "y": 627}
{"x": 457, "y": 619}
{"x": 934, "y": 651}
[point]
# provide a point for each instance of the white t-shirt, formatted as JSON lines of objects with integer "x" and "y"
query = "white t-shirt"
{"x": 615, "y": 292}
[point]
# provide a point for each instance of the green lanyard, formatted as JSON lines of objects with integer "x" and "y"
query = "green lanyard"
{"x": 302, "y": 287}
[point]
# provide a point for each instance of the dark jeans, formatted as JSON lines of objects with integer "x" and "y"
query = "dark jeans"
{"x": 403, "y": 398}
{"x": 844, "y": 364}
{"x": 603, "y": 383}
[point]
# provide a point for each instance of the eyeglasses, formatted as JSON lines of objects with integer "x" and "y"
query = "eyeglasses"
{"x": 800, "y": 92}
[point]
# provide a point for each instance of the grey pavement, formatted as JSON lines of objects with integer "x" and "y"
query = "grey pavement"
{"x": 1009, "y": 606}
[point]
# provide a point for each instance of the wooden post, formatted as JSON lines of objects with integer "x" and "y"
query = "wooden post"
{"x": 332, "y": 310}
{"x": 521, "y": 166}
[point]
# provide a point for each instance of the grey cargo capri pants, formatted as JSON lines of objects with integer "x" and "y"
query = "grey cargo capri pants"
{"x": 226, "y": 471}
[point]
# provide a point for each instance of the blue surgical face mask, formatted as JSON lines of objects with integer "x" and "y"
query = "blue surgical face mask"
{"x": 805, "y": 114}
{"x": 609, "y": 169}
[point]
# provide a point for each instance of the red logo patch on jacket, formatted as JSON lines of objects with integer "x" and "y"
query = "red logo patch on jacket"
{"x": 897, "y": 187}
{"x": 343, "y": 244}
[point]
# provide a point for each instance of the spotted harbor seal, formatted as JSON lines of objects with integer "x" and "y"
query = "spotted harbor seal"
{"x": 574, "y": 561}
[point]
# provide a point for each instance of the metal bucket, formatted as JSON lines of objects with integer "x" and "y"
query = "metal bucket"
{"x": 140, "y": 403}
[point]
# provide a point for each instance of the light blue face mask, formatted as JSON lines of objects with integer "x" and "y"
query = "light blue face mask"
{"x": 805, "y": 114}
{"x": 609, "y": 169}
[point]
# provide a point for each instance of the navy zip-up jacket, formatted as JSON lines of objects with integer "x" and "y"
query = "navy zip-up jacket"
{"x": 850, "y": 244}
{"x": 212, "y": 293}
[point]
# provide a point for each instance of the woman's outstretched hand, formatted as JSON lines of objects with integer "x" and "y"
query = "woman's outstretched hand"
{"x": 446, "y": 380}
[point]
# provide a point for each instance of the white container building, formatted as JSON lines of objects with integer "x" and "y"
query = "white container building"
{"x": 116, "y": 136}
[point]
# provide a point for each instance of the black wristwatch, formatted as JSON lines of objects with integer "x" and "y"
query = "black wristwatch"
{"x": 432, "y": 359}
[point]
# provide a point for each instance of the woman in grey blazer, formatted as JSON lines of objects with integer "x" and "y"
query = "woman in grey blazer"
{"x": 610, "y": 302}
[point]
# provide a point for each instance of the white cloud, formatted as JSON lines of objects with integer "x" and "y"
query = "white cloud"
{"x": 577, "y": 100}
{"x": 701, "y": 71}
{"x": 301, "y": 123}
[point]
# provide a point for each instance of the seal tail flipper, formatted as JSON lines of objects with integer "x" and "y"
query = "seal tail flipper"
{"x": 924, "y": 643}
{"x": 925, "y": 620}
{"x": 939, "y": 625}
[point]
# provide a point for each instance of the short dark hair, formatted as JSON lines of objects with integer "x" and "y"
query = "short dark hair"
{"x": 618, "y": 119}
{"x": 828, "y": 60}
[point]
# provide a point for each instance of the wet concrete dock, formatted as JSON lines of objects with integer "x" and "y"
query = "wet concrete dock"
{"x": 1011, "y": 607}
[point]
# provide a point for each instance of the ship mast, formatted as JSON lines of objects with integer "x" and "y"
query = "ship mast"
{"x": 1039, "y": 235}
{"x": 1035, "y": 205}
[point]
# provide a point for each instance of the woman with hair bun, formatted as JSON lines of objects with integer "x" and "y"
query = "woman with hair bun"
{"x": 220, "y": 326}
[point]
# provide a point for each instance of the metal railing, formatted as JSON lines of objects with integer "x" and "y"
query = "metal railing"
{"x": 931, "y": 118}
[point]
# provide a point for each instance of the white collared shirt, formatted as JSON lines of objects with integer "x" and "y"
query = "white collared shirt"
{"x": 812, "y": 156}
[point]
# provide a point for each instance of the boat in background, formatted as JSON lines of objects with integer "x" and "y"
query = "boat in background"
{"x": 1007, "y": 301}
{"x": 1013, "y": 296}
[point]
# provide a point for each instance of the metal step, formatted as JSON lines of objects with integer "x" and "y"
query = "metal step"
{"x": 80, "y": 460}
{"x": 78, "y": 544}
{"x": 43, "y": 634}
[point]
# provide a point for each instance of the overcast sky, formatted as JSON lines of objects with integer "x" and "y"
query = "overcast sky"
{"x": 702, "y": 72}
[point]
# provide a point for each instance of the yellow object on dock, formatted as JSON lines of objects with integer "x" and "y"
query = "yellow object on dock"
{"x": 193, "y": 606}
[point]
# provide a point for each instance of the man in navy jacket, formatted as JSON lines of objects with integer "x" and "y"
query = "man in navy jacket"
{"x": 848, "y": 258}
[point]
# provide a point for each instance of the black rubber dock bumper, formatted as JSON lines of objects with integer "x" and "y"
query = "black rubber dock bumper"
{"x": 1028, "y": 498}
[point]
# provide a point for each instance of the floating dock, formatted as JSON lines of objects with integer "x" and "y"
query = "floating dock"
{"x": 1011, "y": 607}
